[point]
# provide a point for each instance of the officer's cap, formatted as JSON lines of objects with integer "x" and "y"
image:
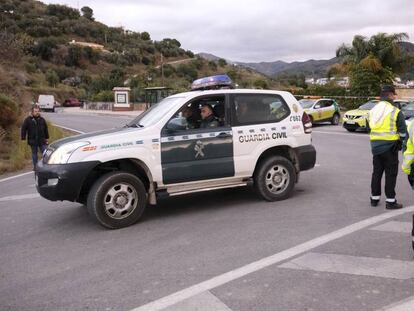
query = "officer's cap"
{"x": 388, "y": 88}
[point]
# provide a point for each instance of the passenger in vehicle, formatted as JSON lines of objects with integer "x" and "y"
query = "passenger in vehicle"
{"x": 243, "y": 112}
{"x": 192, "y": 115}
{"x": 218, "y": 111}
{"x": 208, "y": 118}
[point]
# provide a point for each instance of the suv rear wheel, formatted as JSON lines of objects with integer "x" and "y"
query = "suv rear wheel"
{"x": 117, "y": 200}
{"x": 274, "y": 178}
{"x": 335, "y": 119}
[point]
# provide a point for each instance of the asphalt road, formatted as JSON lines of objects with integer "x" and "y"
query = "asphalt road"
{"x": 221, "y": 250}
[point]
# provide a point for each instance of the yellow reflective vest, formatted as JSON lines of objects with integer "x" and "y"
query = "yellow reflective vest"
{"x": 408, "y": 155}
{"x": 383, "y": 121}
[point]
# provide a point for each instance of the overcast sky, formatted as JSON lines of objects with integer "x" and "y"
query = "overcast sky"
{"x": 256, "y": 30}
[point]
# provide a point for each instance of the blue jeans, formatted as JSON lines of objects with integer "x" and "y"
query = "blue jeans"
{"x": 34, "y": 152}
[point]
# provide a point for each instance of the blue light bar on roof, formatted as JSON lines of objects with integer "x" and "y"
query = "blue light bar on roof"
{"x": 211, "y": 82}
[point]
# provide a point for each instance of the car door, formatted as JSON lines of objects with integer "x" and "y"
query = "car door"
{"x": 190, "y": 153}
{"x": 317, "y": 111}
{"x": 328, "y": 109}
{"x": 259, "y": 121}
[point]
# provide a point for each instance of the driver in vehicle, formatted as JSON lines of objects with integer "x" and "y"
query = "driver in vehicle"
{"x": 208, "y": 118}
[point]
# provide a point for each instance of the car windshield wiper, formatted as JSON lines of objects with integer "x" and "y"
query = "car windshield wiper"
{"x": 134, "y": 125}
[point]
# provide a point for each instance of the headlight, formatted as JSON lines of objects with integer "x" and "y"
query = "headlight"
{"x": 62, "y": 154}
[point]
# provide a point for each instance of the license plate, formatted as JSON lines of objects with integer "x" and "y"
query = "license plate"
{"x": 350, "y": 122}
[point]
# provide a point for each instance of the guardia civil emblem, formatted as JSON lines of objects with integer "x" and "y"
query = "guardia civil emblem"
{"x": 199, "y": 147}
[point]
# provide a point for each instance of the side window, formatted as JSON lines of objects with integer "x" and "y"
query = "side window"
{"x": 202, "y": 113}
{"x": 325, "y": 103}
{"x": 259, "y": 108}
{"x": 328, "y": 103}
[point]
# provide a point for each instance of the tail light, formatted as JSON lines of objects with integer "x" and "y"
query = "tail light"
{"x": 307, "y": 123}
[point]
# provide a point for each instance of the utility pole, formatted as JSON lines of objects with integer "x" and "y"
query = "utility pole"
{"x": 162, "y": 70}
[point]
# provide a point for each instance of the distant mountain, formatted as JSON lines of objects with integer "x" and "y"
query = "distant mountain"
{"x": 310, "y": 68}
{"x": 315, "y": 68}
{"x": 407, "y": 46}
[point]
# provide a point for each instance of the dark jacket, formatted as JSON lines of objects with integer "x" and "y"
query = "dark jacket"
{"x": 210, "y": 121}
{"x": 35, "y": 130}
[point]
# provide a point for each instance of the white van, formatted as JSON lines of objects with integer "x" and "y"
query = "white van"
{"x": 46, "y": 103}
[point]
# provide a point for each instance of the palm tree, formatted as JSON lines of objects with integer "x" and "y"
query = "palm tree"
{"x": 378, "y": 56}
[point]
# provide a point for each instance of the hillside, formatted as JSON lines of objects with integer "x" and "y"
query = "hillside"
{"x": 62, "y": 51}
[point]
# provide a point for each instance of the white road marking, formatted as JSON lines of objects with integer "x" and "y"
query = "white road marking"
{"x": 395, "y": 226}
{"x": 346, "y": 134}
{"x": 16, "y": 176}
{"x": 20, "y": 197}
{"x": 232, "y": 275}
{"x": 205, "y": 301}
{"x": 377, "y": 267}
{"x": 404, "y": 305}
{"x": 68, "y": 128}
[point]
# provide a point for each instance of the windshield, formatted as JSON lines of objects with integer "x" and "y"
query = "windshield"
{"x": 154, "y": 114}
{"x": 368, "y": 105}
{"x": 306, "y": 103}
{"x": 408, "y": 107}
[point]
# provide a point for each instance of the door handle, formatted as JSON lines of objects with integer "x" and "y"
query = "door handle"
{"x": 223, "y": 135}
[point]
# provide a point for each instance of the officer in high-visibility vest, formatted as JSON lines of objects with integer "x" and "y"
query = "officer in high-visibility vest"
{"x": 408, "y": 155}
{"x": 387, "y": 133}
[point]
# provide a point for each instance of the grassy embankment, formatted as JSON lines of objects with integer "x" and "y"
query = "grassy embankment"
{"x": 15, "y": 154}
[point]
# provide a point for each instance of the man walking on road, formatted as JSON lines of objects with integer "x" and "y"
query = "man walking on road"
{"x": 34, "y": 128}
{"x": 388, "y": 132}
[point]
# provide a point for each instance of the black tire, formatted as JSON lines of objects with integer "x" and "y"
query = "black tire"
{"x": 351, "y": 130}
{"x": 335, "y": 119}
{"x": 111, "y": 187}
{"x": 311, "y": 119}
{"x": 266, "y": 178}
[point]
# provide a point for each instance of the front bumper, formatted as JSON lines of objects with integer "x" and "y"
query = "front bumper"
{"x": 355, "y": 125}
{"x": 59, "y": 182}
{"x": 306, "y": 156}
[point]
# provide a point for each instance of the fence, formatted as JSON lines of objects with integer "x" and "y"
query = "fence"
{"x": 109, "y": 105}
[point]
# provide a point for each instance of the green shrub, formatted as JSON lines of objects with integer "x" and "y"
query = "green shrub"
{"x": 52, "y": 77}
{"x": 9, "y": 111}
{"x": 103, "y": 96}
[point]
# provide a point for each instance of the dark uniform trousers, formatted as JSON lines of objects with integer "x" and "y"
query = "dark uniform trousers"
{"x": 385, "y": 162}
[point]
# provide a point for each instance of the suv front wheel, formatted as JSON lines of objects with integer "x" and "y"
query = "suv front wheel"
{"x": 117, "y": 200}
{"x": 274, "y": 178}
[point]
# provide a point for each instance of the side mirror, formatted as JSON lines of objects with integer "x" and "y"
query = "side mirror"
{"x": 317, "y": 106}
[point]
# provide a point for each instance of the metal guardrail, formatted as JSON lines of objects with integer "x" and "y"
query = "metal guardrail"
{"x": 97, "y": 106}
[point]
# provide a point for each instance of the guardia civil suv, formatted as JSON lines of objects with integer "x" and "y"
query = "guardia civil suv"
{"x": 260, "y": 138}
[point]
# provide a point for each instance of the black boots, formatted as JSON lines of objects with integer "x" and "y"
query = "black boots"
{"x": 393, "y": 205}
{"x": 388, "y": 205}
{"x": 374, "y": 202}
